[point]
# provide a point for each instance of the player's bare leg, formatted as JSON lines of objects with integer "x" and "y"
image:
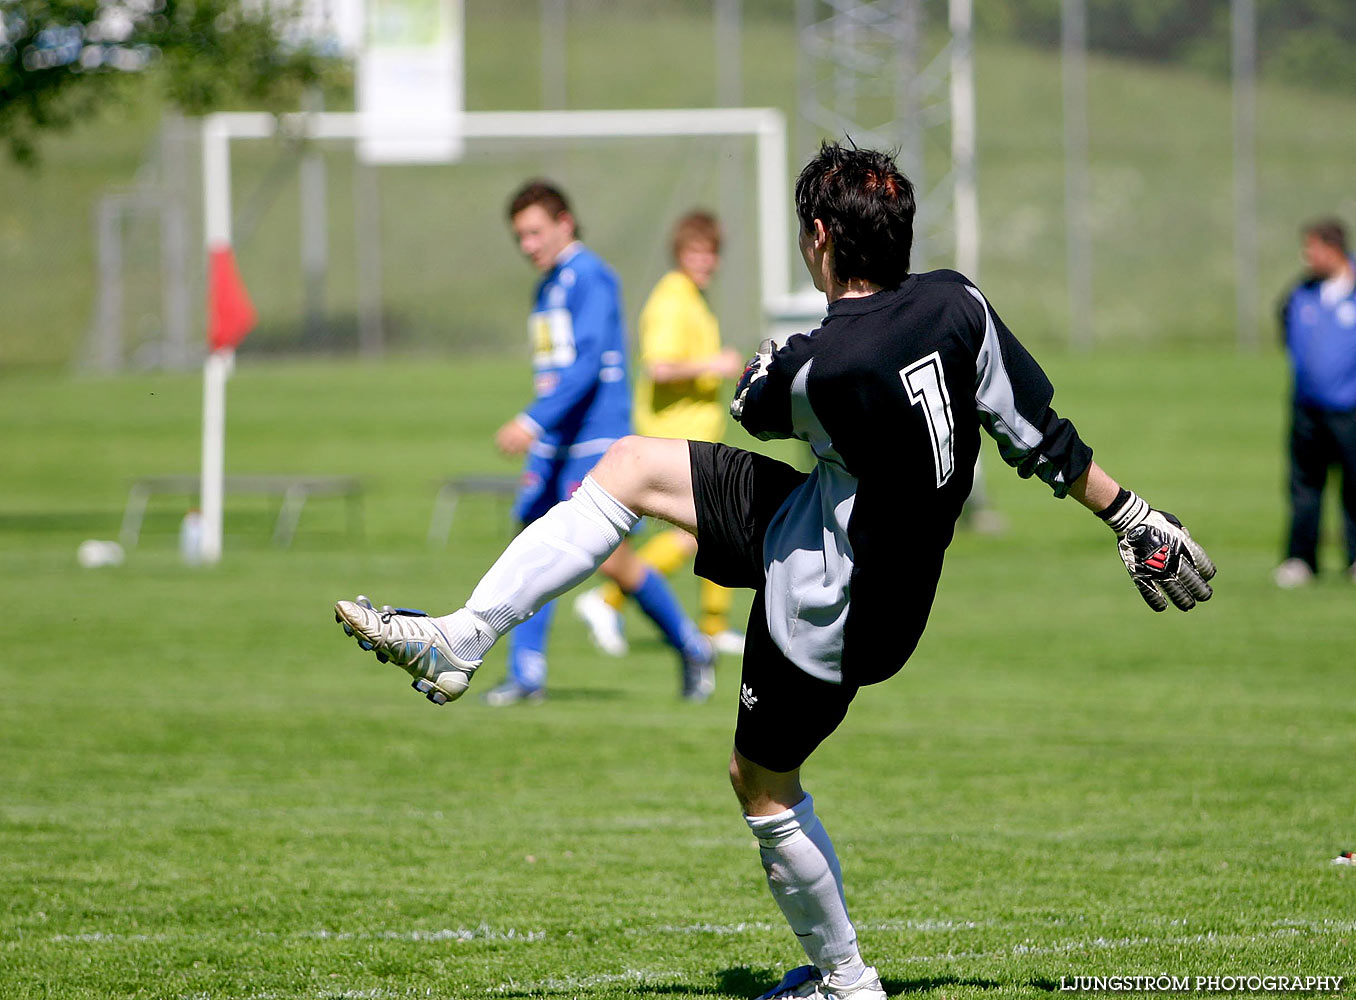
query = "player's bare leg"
{"x": 806, "y": 882}
{"x": 652, "y": 476}
{"x": 636, "y": 477}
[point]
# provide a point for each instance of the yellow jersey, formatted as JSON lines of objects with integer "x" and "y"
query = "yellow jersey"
{"x": 677, "y": 324}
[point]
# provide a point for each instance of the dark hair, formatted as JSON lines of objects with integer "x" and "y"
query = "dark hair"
{"x": 545, "y": 194}
{"x": 696, "y": 227}
{"x": 1328, "y": 230}
{"x": 866, "y": 206}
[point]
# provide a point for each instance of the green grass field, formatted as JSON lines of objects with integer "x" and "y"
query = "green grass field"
{"x": 207, "y": 792}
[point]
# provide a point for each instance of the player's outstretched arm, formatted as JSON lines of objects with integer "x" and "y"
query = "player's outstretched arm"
{"x": 762, "y": 398}
{"x": 1164, "y": 561}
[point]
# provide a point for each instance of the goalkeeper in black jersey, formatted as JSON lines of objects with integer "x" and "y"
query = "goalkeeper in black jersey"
{"x": 890, "y": 393}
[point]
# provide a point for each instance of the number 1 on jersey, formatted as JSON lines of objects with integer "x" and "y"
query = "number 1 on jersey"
{"x": 927, "y": 388}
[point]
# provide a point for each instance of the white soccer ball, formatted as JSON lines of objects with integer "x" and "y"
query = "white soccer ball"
{"x": 94, "y": 552}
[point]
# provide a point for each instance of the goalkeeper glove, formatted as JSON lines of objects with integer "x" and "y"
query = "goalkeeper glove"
{"x": 755, "y": 369}
{"x": 1162, "y": 557}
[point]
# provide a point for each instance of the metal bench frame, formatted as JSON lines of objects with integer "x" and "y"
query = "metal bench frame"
{"x": 294, "y": 490}
{"x": 450, "y": 492}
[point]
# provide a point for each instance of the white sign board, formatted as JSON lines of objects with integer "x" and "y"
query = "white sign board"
{"x": 410, "y": 81}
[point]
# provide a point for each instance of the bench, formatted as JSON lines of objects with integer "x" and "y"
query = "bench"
{"x": 450, "y": 492}
{"x": 294, "y": 491}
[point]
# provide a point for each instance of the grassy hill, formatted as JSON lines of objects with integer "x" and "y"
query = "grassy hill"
{"x": 1161, "y": 196}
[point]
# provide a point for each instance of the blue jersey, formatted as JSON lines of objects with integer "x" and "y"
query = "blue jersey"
{"x": 583, "y": 401}
{"x": 1321, "y": 338}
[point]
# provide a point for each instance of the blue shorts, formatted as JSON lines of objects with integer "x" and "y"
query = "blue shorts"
{"x": 547, "y": 481}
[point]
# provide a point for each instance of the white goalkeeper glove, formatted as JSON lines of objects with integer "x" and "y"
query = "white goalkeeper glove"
{"x": 1165, "y": 562}
{"x": 755, "y": 369}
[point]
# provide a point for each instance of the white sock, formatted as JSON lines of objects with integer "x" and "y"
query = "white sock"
{"x": 469, "y": 637}
{"x": 557, "y": 551}
{"x": 803, "y": 874}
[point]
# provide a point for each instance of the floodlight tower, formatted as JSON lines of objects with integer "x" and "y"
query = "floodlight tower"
{"x": 867, "y": 70}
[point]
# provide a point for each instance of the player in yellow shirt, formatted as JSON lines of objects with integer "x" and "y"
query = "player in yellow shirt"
{"x": 680, "y": 394}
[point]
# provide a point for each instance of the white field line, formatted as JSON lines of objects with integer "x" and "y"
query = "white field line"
{"x": 482, "y": 932}
{"x": 639, "y": 977}
{"x": 1109, "y": 944}
{"x": 371, "y": 994}
{"x": 1281, "y": 929}
{"x": 745, "y": 927}
{"x": 1293, "y": 929}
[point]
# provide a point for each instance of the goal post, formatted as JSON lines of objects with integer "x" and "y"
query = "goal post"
{"x": 765, "y": 126}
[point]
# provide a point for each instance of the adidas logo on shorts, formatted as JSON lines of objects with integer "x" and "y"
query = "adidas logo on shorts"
{"x": 746, "y": 697}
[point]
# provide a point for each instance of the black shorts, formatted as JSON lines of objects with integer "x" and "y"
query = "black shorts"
{"x": 784, "y": 713}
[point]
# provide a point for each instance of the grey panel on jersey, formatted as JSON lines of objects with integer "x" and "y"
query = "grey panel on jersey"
{"x": 807, "y": 554}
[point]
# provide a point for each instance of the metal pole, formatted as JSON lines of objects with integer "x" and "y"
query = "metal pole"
{"x": 845, "y": 31}
{"x": 367, "y": 234}
{"x": 108, "y": 322}
{"x": 1244, "y": 31}
{"x": 314, "y": 232}
{"x": 731, "y": 293}
{"x": 773, "y": 198}
{"x": 174, "y": 252}
{"x": 553, "y": 65}
{"x": 729, "y": 53}
{"x": 805, "y": 81}
{"x": 908, "y": 17}
{"x": 1074, "y": 64}
{"x": 966, "y": 200}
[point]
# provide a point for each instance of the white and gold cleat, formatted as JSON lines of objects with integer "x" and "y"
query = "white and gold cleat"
{"x": 412, "y": 641}
{"x": 807, "y": 982}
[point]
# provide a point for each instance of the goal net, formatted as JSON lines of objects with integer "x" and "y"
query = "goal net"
{"x": 339, "y": 256}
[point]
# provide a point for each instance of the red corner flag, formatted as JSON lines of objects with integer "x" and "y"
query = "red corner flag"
{"x": 230, "y": 314}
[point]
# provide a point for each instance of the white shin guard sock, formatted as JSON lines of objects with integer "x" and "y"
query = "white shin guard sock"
{"x": 560, "y": 549}
{"x": 803, "y": 874}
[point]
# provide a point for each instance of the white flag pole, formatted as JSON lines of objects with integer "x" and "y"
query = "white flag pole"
{"x": 216, "y": 172}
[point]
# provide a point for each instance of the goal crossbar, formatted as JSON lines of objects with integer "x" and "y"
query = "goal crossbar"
{"x": 766, "y": 126}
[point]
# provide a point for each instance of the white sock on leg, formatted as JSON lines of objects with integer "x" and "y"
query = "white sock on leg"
{"x": 557, "y": 551}
{"x": 468, "y": 635}
{"x": 805, "y": 879}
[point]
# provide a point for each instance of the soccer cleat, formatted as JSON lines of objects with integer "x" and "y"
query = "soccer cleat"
{"x": 698, "y": 664}
{"x": 799, "y": 982}
{"x": 867, "y": 987}
{"x": 806, "y": 981}
{"x": 604, "y": 622}
{"x": 512, "y": 693}
{"x": 729, "y": 642}
{"x": 1345, "y": 858}
{"x": 412, "y": 641}
{"x": 1291, "y": 574}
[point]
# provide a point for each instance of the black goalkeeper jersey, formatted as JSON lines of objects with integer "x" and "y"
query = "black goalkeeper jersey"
{"x": 890, "y": 393}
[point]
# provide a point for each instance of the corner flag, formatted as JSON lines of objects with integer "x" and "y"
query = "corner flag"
{"x": 230, "y": 314}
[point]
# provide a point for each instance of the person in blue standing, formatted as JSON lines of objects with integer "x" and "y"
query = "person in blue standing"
{"x": 1318, "y": 319}
{"x": 582, "y": 405}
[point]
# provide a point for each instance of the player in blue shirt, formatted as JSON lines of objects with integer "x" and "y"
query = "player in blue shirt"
{"x": 582, "y": 405}
{"x": 1319, "y": 322}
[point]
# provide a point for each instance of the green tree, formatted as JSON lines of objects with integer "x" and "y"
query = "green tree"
{"x": 62, "y": 60}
